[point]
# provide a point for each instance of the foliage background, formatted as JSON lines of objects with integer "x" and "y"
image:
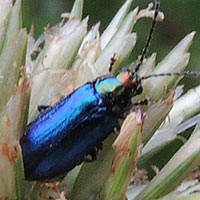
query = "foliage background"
{"x": 181, "y": 17}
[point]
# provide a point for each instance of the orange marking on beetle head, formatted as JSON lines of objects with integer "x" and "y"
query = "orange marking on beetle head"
{"x": 127, "y": 79}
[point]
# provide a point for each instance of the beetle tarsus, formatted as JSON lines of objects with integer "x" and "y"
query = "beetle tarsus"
{"x": 99, "y": 146}
{"x": 142, "y": 103}
{"x": 42, "y": 108}
{"x": 93, "y": 155}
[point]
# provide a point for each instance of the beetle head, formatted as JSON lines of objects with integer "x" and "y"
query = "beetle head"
{"x": 131, "y": 81}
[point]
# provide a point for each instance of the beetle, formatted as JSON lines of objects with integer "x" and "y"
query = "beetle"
{"x": 76, "y": 126}
{"x": 63, "y": 135}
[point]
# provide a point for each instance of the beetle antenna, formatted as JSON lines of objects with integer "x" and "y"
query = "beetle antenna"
{"x": 150, "y": 36}
{"x": 185, "y": 73}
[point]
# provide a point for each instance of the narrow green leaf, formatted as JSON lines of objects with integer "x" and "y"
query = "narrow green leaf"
{"x": 121, "y": 44}
{"x": 125, "y": 159}
{"x": 115, "y": 24}
{"x": 156, "y": 114}
{"x": 5, "y": 7}
{"x": 175, "y": 61}
{"x": 11, "y": 163}
{"x": 77, "y": 9}
{"x": 184, "y": 107}
{"x": 11, "y": 54}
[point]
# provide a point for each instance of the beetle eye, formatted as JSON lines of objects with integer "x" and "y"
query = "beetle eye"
{"x": 139, "y": 90}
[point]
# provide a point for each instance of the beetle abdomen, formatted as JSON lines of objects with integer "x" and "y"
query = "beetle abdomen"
{"x": 72, "y": 151}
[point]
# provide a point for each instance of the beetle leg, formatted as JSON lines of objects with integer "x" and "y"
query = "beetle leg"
{"x": 92, "y": 155}
{"x": 128, "y": 109}
{"x": 141, "y": 103}
{"x": 145, "y": 102}
{"x": 42, "y": 108}
{"x": 113, "y": 59}
{"x": 99, "y": 146}
{"x": 94, "y": 152}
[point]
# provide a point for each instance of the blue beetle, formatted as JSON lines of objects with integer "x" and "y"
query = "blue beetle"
{"x": 62, "y": 136}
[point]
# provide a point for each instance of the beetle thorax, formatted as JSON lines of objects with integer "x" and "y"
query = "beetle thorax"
{"x": 117, "y": 91}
